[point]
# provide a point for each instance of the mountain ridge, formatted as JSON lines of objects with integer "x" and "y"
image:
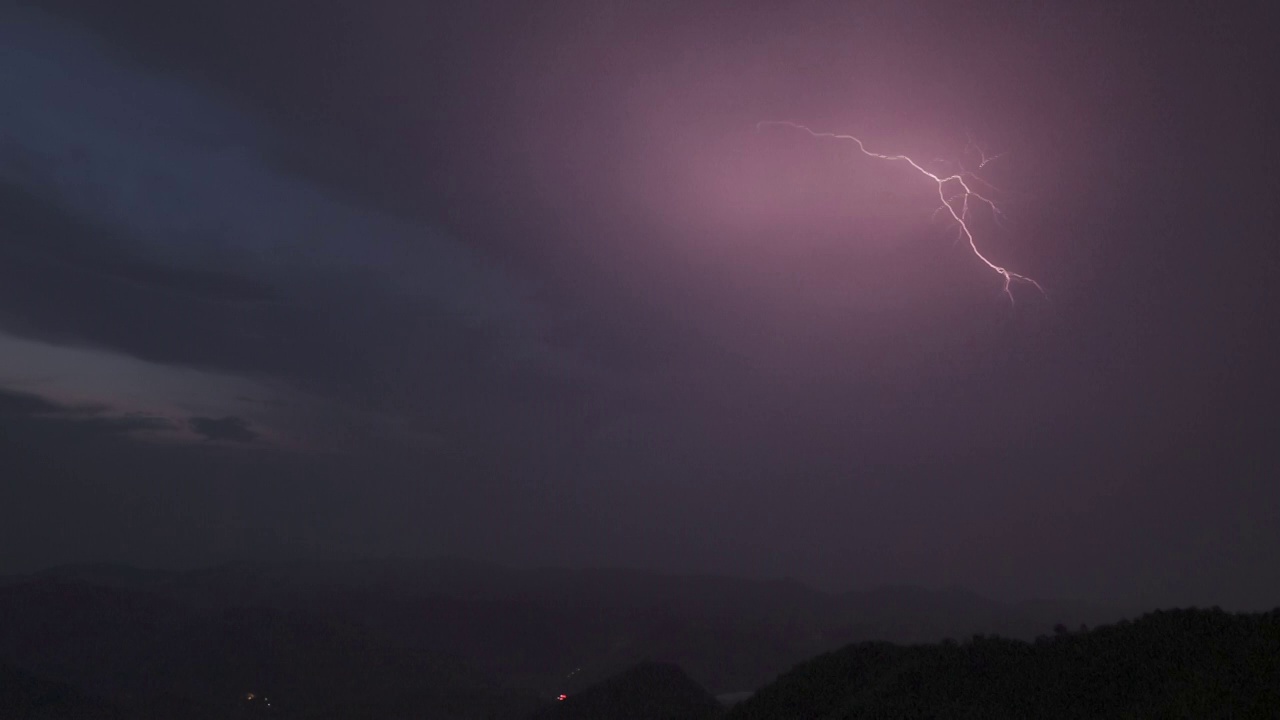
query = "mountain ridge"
{"x": 554, "y": 630}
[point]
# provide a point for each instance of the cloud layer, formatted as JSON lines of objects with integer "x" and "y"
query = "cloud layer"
{"x": 145, "y": 218}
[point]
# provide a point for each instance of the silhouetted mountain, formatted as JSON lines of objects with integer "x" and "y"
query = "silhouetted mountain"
{"x": 730, "y": 634}
{"x": 135, "y": 647}
{"x": 26, "y": 697}
{"x": 409, "y": 633}
{"x": 649, "y": 691}
{"x": 1182, "y": 663}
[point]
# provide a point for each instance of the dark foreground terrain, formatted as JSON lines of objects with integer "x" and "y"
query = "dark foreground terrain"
{"x": 1168, "y": 664}
{"x": 648, "y": 691}
{"x": 442, "y": 639}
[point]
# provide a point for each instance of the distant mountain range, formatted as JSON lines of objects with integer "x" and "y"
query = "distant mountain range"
{"x": 397, "y": 636}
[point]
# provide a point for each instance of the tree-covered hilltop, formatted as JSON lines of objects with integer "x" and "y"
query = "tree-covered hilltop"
{"x": 1173, "y": 663}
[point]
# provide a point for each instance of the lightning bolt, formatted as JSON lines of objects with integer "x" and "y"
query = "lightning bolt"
{"x": 958, "y": 203}
{"x": 983, "y": 159}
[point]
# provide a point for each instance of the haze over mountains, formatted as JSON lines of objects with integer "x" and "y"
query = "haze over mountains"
{"x": 399, "y": 635}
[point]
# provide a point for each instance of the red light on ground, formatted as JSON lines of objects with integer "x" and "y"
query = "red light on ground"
{"x": 563, "y": 697}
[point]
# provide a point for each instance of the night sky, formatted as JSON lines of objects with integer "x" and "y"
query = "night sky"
{"x": 524, "y": 282}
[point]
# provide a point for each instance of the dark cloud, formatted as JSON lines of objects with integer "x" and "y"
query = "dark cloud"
{"x": 63, "y": 277}
{"x": 29, "y": 418}
{"x": 231, "y": 429}
{"x": 24, "y": 405}
{"x": 163, "y": 229}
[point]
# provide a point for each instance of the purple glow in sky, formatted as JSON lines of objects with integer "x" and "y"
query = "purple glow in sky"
{"x": 960, "y": 192}
{"x": 525, "y": 282}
